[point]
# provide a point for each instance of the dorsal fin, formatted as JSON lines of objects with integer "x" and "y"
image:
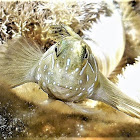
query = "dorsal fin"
{"x": 58, "y": 32}
{"x": 18, "y": 60}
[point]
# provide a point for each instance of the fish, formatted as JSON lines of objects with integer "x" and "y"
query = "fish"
{"x": 67, "y": 71}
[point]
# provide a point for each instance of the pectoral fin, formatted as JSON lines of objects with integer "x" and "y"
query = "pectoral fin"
{"x": 110, "y": 94}
{"x": 18, "y": 59}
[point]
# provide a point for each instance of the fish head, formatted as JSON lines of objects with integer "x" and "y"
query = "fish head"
{"x": 73, "y": 71}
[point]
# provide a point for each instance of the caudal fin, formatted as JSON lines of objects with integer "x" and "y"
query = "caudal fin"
{"x": 18, "y": 60}
{"x": 110, "y": 94}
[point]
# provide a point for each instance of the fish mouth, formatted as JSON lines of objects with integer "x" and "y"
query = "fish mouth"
{"x": 60, "y": 88}
{"x": 61, "y": 92}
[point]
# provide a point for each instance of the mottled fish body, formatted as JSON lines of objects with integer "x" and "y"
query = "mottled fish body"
{"x": 65, "y": 71}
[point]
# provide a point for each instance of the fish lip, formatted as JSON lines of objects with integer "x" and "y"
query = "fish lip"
{"x": 62, "y": 93}
{"x": 61, "y": 87}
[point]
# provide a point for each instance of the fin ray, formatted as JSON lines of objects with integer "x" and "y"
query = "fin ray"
{"x": 110, "y": 94}
{"x": 19, "y": 60}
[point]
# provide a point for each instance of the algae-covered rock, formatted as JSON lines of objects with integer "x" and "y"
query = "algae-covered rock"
{"x": 21, "y": 119}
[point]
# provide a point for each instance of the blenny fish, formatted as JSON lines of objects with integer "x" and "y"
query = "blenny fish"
{"x": 67, "y": 71}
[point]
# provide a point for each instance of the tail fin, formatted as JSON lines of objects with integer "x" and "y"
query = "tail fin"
{"x": 18, "y": 60}
{"x": 111, "y": 95}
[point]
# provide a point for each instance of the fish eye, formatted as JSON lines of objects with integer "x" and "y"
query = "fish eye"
{"x": 85, "y": 56}
{"x": 56, "y": 50}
